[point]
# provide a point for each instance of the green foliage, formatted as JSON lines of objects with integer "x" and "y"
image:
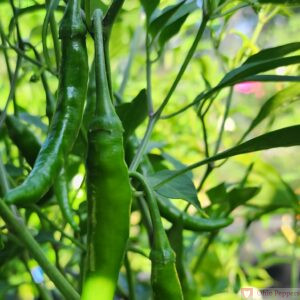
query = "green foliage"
{"x": 207, "y": 93}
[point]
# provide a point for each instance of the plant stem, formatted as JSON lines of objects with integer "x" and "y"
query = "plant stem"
{"x": 3, "y": 41}
{"x": 148, "y": 75}
{"x": 225, "y": 116}
{"x": 43, "y": 292}
{"x": 202, "y": 254}
{"x": 143, "y": 145}
{"x": 30, "y": 243}
{"x": 55, "y": 227}
{"x": 294, "y": 262}
{"x": 130, "y": 279}
{"x": 132, "y": 53}
{"x": 108, "y": 22}
{"x": 55, "y": 39}
{"x": 3, "y": 178}
{"x": 12, "y": 90}
{"x": 184, "y": 65}
{"x": 155, "y": 117}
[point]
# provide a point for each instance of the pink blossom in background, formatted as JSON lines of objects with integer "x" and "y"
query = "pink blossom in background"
{"x": 250, "y": 87}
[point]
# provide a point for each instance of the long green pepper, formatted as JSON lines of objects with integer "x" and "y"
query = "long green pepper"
{"x": 23, "y": 138}
{"x": 68, "y": 115}
{"x": 62, "y": 196}
{"x": 108, "y": 187}
{"x": 29, "y": 146}
{"x": 164, "y": 278}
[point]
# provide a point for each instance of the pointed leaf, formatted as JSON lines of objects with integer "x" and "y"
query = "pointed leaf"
{"x": 286, "y": 2}
{"x": 132, "y": 114}
{"x": 174, "y": 24}
{"x": 149, "y": 6}
{"x": 158, "y": 21}
{"x": 239, "y": 196}
{"x": 283, "y": 97}
{"x": 181, "y": 187}
{"x": 273, "y": 78}
{"x": 284, "y": 137}
{"x": 218, "y": 193}
{"x": 249, "y": 69}
{"x": 275, "y": 52}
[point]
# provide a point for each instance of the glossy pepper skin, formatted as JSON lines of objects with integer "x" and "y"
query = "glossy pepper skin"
{"x": 108, "y": 188}
{"x": 189, "y": 287}
{"x": 164, "y": 278}
{"x": 169, "y": 210}
{"x": 62, "y": 196}
{"x": 23, "y": 138}
{"x": 30, "y": 146}
{"x": 68, "y": 115}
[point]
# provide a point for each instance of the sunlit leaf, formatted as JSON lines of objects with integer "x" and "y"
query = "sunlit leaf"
{"x": 273, "y": 53}
{"x": 283, "y": 97}
{"x": 180, "y": 188}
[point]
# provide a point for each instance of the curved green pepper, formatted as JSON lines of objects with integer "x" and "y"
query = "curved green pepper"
{"x": 108, "y": 187}
{"x": 175, "y": 235}
{"x": 23, "y": 138}
{"x": 164, "y": 278}
{"x": 194, "y": 223}
{"x": 62, "y": 197}
{"x": 68, "y": 115}
{"x": 30, "y": 146}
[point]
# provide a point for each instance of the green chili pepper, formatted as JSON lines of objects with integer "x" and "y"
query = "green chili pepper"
{"x": 30, "y": 146}
{"x": 62, "y": 196}
{"x": 169, "y": 210}
{"x": 68, "y": 115}
{"x": 1, "y": 240}
{"x": 175, "y": 235}
{"x": 194, "y": 223}
{"x": 23, "y": 138}
{"x": 108, "y": 187}
{"x": 80, "y": 146}
{"x": 91, "y": 99}
{"x": 164, "y": 278}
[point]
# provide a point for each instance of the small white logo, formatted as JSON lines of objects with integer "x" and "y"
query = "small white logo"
{"x": 247, "y": 292}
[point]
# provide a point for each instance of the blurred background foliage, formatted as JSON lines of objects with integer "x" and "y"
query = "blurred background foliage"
{"x": 262, "y": 253}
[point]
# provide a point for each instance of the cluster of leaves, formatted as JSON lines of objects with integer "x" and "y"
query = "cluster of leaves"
{"x": 259, "y": 193}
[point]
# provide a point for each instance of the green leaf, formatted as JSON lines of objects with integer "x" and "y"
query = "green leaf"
{"x": 176, "y": 163}
{"x": 273, "y": 78}
{"x": 275, "y": 193}
{"x": 157, "y": 161}
{"x": 174, "y": 24}
{"x": 234, "y": 197}
{"x": 158, "y": 21}
{"x": 132, "y": 114}
{"x": 284, "y": 137}
{"x": 181, "y": 187}
{"x": 239, "y": 74}
{"x": 286, "y": 2}
{"x": 34, "y": 120}
{"x": 218, "y": 193}
{"x": 239, "y": 196}
{"x": 283, "y": 97}
{"x": 149, "y": 6}
{"x": 274, "y": 52}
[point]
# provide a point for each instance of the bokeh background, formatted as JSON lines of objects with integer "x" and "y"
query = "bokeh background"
{"x": 264, "y": 255}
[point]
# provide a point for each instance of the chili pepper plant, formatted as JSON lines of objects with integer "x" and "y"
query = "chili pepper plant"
{"x": 136, "y": 143}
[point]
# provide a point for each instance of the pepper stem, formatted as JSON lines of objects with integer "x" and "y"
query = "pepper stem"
{"x": 103, "y": 99}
